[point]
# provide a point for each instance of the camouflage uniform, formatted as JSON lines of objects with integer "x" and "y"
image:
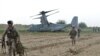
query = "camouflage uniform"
{"x": 73, "y": 34}
{"x": 12, "y": 38}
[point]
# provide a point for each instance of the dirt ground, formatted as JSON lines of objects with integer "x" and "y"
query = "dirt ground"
{"x": 59, "y": 44}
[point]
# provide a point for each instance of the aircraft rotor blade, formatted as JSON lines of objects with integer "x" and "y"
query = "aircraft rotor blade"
{"x": 44, "y": 12}
{"x": 53, "y": 13}
{"x": 35, "y": 15}
{"x": 37, "y": 18}
{"x": 51, "y": 10}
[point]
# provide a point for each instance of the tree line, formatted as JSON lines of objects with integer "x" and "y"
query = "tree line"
{"x": 81, "y": 24}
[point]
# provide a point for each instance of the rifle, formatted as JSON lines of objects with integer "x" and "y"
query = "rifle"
{"x": 3, "y": 43}
{"x": 3, "y": 48}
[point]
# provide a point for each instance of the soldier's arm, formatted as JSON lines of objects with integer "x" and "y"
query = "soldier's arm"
{"x": 3, "y": 39}
{"x": 76, "y": 32}
{"x": 18, "y": 37}
{"x": 70, "y": 32}
{"x": 4, "y": 34}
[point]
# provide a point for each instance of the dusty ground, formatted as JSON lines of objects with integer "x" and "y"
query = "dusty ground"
{"x": 59, "y": 44}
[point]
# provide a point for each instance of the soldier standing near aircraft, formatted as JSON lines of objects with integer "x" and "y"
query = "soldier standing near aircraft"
{"x": 99, "y": 29}
{"x": 12, "y": 38}
{"x": 73, "y": 34}
{"x": 79, "y": 30}
{"x": 93, "y": 29}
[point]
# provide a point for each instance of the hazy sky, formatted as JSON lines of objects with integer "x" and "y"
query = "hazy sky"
{"x": 19, "y": 11}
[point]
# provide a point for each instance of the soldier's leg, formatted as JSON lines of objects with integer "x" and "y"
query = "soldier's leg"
{"x": 13, "y": 48}
{"x": 14, "y": 53}
{"x": 78, "y": 35}
{"x": 20, "y": 55}
{"x": 71, "y": 39}
{"x": 9, "y": 51}
{"x": 74, "y": 41}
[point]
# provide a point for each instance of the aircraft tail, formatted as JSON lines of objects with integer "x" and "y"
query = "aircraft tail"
{"x": 74, "y": 22}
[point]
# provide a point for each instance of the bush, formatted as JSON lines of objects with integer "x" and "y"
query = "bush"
{"x": 82, "y": 25}
{"x": 61, "y": 22}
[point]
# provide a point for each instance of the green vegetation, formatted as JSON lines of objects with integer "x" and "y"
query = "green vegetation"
{"x": 23, "y": 28}
{"x": 61, "y": 22}
{"x": 19, "y": 27}
{"x": 82, "y": 25}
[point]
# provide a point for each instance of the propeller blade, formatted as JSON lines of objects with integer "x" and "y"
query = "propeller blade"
{"x": 35, "y": 15}
{"x": 44, "y": 12}
{"x": 51, "y": 10}
{"x": 37, "y": 18}
{"x": 31, "y": 16}
{"x": 53, "y": 13}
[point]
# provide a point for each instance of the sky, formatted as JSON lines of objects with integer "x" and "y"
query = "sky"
{"x": 19, "y": 11}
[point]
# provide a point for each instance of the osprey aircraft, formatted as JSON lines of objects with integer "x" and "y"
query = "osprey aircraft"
{"x": 45, "y": 24}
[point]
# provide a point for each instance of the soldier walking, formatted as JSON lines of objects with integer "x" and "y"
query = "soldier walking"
{"x": 79, "y": 30}
{"x": 73, "y": 34}
{"x": 12, "y": 38}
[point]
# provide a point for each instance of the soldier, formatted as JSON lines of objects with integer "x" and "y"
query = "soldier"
{"x": 73, "y": 34}
{"x": 12, "y": 38}
{"x": 98, "y": 29}
{"x": 93, "y": 29}
{"x": 79, "y": 30}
